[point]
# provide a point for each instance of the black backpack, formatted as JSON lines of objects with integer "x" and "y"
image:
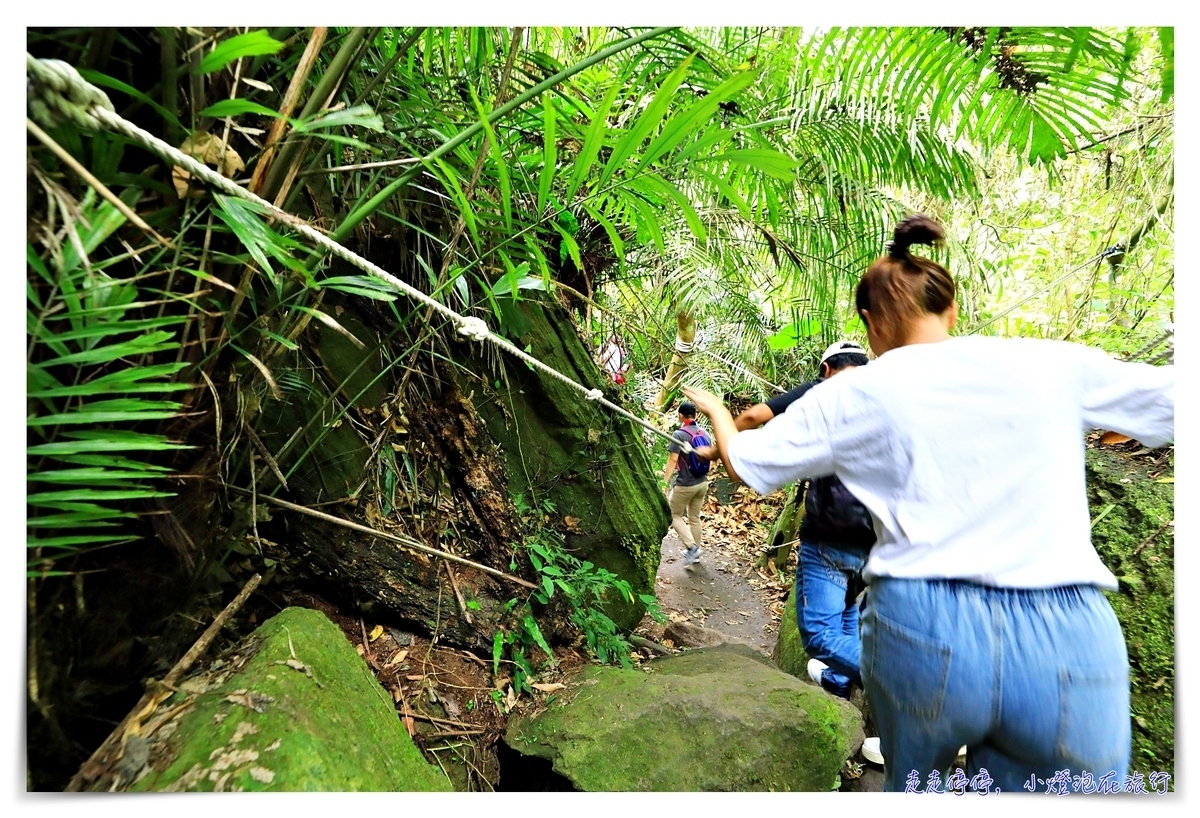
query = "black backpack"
{"x": 696, "y": 466}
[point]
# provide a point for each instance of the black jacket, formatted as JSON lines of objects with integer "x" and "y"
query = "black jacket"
{"x": 831, "y": 513}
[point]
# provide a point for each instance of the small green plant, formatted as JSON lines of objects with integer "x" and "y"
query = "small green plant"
{"x": 92, "y": 386}
{"x": 583, "y": 586}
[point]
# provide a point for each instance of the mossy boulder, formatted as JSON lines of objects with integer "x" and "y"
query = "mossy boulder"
{"x": 588, "y": 462}
{"x": 717, "y": 719}
{"x": 1131, "y": 510}
{"x": 788, "y": 652}
{"x": 266, "y": 718}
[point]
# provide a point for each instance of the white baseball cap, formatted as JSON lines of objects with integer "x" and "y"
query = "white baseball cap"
{"x": 838, "y": 347}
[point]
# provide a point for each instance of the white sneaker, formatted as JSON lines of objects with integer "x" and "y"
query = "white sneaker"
{"x": 870, "y": 750}
{"x": 815, "y": 666}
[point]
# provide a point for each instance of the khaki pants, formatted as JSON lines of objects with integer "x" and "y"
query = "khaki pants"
{"x": 686, "y": 501}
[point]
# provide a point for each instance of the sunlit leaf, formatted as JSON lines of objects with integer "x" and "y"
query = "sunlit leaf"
{"x": 250, "y": 44}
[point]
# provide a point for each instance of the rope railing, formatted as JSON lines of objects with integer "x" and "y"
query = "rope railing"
{"x": 58, "y": 93}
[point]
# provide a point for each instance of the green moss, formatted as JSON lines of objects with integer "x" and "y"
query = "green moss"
{"x": 587, "y": 461}
{"x": 1145, "y": 603}
{"x": 343, "y": 735}
{"x": 789, "y": 652}
{"x": 720, "y": 719}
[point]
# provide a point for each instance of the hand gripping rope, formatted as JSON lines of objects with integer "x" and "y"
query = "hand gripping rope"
{"x": 57, "y": 92}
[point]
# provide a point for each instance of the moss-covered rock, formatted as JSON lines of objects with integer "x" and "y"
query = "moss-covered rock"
{"x": 788, "y": 652}
{"x": 1130, "y": 509}
{"x": 587, "y": 461}
{"x": 256, "y": 722}
{"x": 718, "y": 719}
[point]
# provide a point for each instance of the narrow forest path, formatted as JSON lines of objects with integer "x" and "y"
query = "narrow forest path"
{"x": 714, "y": 593}
{"x": 725, "y": 592}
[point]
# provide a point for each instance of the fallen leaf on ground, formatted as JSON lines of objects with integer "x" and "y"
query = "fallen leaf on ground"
{"x": 549, "y": 688}
{"x": 248, "y": 698}
{"x": 262, "y": 774}
{"x": 243, "y": 729}
{"x": 376, "y": 632}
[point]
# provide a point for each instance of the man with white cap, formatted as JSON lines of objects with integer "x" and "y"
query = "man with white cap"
{"x": 835, "y": 537}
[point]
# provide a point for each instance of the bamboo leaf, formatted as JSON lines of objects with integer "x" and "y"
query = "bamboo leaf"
{"x": 107, "y": 328}
{"x": 364, "y": 286}
{"x": 450, "y": 179}
{"x": 109, "y": 411}
{"x": 549, "y": 153}
{"x": 251, "y": 44}
{"x": 683, "y": 125}
{"x": 90, "y": 474}
{"x": 689, "y": 212}
{"x": 237, "y": 107}
{"x": 72, "y": 541}
{"x": 79, "y": 518}
{"x": 123, "y": 381}
{"x": 570, "y": 245}
{"x": 146, "y": 344}
{"x": 105, "y": 81}
{"x": 249, "y": 230}
{"x": 646, "y": 123}
{"x": 591, "y": 143}
{"x": 614, "y": 235}
{"x": 261, "y": 367}
{"x": 330, "y": 322}
{"x": 107, "y": 495}
{"x": 498, "y": 161}
{"x": 362, "y": 116}
{"x": 773, "y": 163}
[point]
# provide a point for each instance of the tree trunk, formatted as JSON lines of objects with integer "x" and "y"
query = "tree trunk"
{"x": 685, "y": 335}
{"x": 783, "y": 533}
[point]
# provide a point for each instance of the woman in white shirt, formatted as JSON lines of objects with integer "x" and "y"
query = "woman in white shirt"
{"x": 984, "y": 623}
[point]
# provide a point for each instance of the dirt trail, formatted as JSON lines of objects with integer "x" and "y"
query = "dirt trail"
{"x": 725, "y": 592}
{"x": 714, "y": 593}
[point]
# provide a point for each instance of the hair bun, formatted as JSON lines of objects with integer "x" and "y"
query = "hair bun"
{"x": 914, "y": 229}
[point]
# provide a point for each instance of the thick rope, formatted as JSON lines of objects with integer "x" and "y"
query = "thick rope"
{"x": 61, "y": 90}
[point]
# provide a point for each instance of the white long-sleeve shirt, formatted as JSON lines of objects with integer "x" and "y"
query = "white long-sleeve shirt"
{"x": 968, "y": 453}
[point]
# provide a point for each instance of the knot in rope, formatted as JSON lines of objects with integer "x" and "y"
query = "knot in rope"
{"x": 57, "y": 94}
{"x": 473, "y": 328}
{"x": 594, "y": 394}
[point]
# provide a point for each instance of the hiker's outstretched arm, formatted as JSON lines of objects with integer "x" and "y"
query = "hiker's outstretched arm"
{"x": 752, "y": 418}
{"x": 724, "y": 429}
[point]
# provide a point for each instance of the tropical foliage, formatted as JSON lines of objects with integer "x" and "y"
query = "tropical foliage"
{"x": 736, "y": 181}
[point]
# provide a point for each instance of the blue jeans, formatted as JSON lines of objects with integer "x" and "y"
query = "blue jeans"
{"x": 1033, "y": 681}
{"x": 828, "y": 580}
